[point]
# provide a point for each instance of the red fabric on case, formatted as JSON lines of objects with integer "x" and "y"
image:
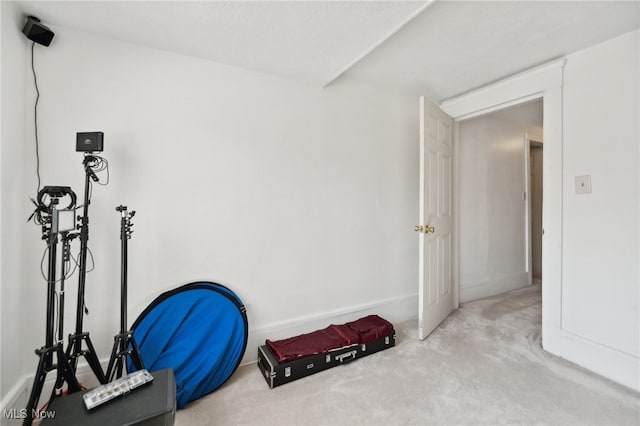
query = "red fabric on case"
{"x": 364, "y": 330}
{"x": 306, "y": 344}
{"x": 371, "y": 328}
{"x": 350, "y": 336}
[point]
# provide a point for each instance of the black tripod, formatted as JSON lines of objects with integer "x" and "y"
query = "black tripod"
{"x": 49, "y": 218}
{"x": 124, "y": 343}
{"x": 74, "y": 350}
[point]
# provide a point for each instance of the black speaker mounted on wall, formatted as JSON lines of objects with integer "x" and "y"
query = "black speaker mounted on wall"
{"x": 37, "y": 32}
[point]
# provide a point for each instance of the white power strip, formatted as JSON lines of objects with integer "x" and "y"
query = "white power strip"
{"x": 109, "y": 391}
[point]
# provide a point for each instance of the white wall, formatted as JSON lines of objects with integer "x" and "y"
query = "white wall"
{"x": 300, "y": 199}
{"x": 601, "y": 281}
{"x": 492, "y": 217}
{"x": 15, "y": 305}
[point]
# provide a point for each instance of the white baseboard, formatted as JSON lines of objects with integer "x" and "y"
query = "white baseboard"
{"x": 14, "y": 399}
{"x": 488, "y": 288}
{"x": 618, "y": 366}
{"x": 395, "y": 310}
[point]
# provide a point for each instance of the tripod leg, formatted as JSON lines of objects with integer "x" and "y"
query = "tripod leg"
{"x": 74, "y": 350}
{"x": 118, "y": 360}
{"x": 120, "y": 365}
{"x": 64, "y": 374}
{"x": 122, "y": 359}
{"x": 57, "y": 387}
{"x": 135, "y": 354}
{"x": 65, "y": 370}
{"x": 92, "y": 359}
{"x": 113, "y": 361}
{"x": 36, "y": 390}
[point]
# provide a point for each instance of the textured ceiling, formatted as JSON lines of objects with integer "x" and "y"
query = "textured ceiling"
{"x": 435, "y": 48}
{"x": 454, "y": 47}
{"x": 307, "y": 41}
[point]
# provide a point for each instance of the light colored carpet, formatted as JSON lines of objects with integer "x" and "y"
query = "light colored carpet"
{"x": 484, "y": 366}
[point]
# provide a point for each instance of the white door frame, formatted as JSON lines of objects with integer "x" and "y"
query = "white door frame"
{"x": 542, "y": 82}
{"x": 527, "y": 209}
{"x": 532, "y": 144}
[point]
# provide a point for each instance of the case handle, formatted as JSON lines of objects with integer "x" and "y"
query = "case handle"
{"x": 347, "y": 356}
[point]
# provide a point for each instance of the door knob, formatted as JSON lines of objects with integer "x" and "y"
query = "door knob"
{"x": 426, "y": 229}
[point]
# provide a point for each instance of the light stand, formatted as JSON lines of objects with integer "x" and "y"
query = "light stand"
{"x": 66, "y": 238}
{"x": 74, "y": 350}
{"x": 125, "y": 338}
{"x": 50, "y": 229}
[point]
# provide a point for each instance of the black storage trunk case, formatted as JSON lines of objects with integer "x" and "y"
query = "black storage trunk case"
{"x": 278, "y": 373}
{"x": 153, "y": 404}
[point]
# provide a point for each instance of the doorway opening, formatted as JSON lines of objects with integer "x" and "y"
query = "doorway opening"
{"x": 499, "y": 215}
{"x": 544, "y": 82}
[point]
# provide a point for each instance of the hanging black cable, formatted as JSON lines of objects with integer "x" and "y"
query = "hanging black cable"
{"x": 35, "y": 115}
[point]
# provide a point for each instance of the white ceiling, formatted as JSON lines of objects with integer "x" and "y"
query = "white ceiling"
{"x": 454, "y": 47}
{"x": 439, "y": 49}
{"x": 307, "y": 41}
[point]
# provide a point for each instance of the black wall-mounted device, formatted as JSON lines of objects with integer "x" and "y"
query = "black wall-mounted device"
{"x": 89, "y": 141}
{"x": 37, "y": 32}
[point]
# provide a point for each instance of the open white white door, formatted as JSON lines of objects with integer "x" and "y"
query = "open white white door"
{"x": 436, "y": 218}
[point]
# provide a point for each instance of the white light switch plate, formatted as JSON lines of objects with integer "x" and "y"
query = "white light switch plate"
{"x": 583, "y": 184}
